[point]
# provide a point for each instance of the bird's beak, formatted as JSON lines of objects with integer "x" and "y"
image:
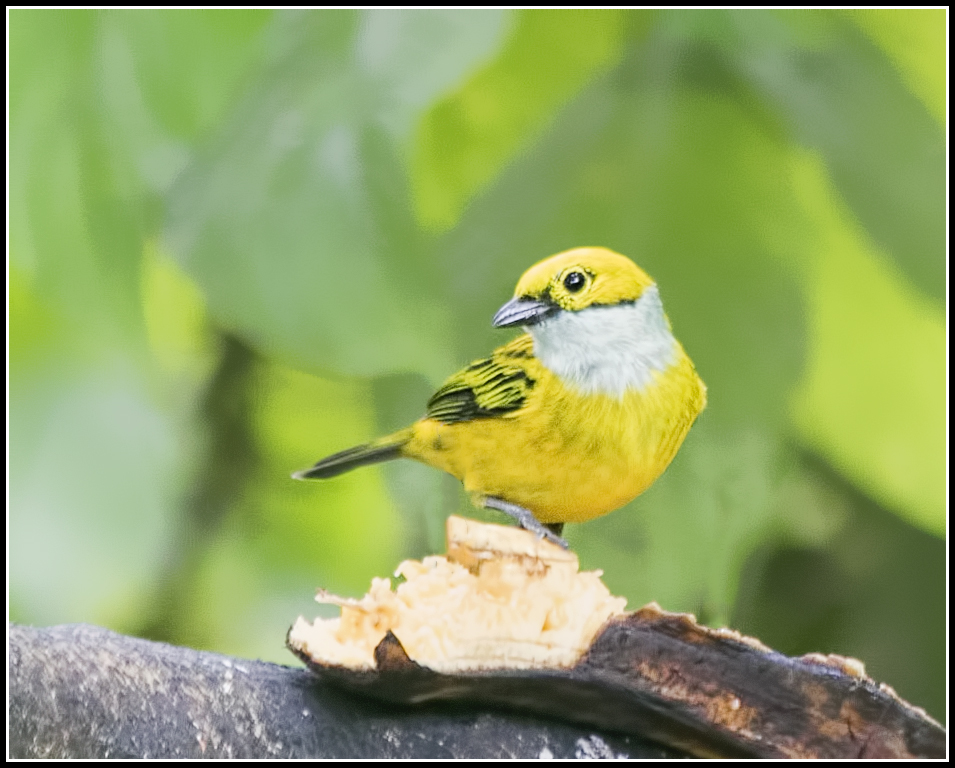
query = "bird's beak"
{"x": 523, "y": 311}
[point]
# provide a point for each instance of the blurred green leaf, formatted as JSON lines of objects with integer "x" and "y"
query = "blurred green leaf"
{"x": 874, "y": 388}
{"x": 63, "y": 172}
{"x": 466, "y": 138}
{"x": 284, "y": 538}
{"x": 296, "y": 219}
{"x": 92, "y": 493}
{"x": 914, "y": 40}
{"x": 34, "y": 327}
{"x": 101, "y": 451}
{"x": 413, "y": 57}
{"x": 301, "y": 524}
{"x": 166, "y": 78}
{"x": 187, "y": 64}
{"x": 46, "y": 47}
{"x": 90, "y": 147}
{"x": 843, "y": 97}
{"x": 424, "y": 496}
{"x": 177, "y": 325}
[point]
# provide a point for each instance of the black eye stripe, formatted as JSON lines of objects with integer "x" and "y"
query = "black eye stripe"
{"x": 575, "y": 281}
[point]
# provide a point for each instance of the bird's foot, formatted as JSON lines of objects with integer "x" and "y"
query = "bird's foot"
{"x": 525, "y": 518}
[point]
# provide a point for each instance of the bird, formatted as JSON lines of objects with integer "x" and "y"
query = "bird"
{"x": 572, "y": 419}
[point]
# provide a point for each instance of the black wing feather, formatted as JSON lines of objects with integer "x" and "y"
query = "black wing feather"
{"x": 487, "y": 388}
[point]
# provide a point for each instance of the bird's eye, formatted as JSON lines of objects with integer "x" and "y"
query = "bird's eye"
{"x": 574, "y": 282}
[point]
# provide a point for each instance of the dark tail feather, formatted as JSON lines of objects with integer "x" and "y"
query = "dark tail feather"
{"x": 371, "y": 453}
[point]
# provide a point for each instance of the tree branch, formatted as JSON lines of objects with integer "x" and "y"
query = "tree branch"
{"x": 78, "y": 691}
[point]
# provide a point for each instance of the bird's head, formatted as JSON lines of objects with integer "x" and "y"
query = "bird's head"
{"x": 596, "y": 320}
{"x": 572, "y": 281}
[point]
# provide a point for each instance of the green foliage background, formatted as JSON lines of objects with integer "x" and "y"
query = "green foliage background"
{"x": 241, "y": 240}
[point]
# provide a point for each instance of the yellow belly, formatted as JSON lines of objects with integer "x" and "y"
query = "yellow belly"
{"x": 565, "y": 456}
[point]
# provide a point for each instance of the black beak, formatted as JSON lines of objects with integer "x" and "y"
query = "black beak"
{"x": 522, "y": 311}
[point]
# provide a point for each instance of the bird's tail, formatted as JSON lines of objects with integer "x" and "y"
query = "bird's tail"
{"x": 383, "y": 449}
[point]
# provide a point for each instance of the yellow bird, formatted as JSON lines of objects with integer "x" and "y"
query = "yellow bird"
{"x": 572, "y": 419}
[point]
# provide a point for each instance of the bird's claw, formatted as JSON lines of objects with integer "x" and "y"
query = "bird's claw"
{"x": 526, "y": 520}
{"x": 551, "y": 537}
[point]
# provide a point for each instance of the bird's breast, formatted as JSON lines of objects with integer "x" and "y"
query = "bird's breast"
{"x": 566, "y": 455}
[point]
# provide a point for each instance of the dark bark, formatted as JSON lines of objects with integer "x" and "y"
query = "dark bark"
{"x": 662, "y": 676}
{"x": 78, "y": 691}
{"x": 649, "y": 678}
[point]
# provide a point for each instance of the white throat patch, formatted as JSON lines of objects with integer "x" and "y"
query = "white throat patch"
{"x": 610, "y": 349}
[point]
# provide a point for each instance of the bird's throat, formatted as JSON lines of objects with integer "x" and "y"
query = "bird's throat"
{"x": 608, "y": 350}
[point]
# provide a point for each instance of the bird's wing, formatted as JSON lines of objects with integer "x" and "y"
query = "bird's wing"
{"x": 487, "y": 388}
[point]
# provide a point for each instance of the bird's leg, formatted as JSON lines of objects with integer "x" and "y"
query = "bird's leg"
{"x": 526, "y": 519}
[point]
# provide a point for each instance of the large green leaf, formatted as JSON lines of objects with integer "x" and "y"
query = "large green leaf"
{"x": 186, "y": 65}
{"x": 73, "y": 231}
{"x": 872, "y": 400}
{"x": 295, "y": 219}
{"x": 842, "y": 96}
{"x": 915, "y": 41}
{"x": 466, "y": 138}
